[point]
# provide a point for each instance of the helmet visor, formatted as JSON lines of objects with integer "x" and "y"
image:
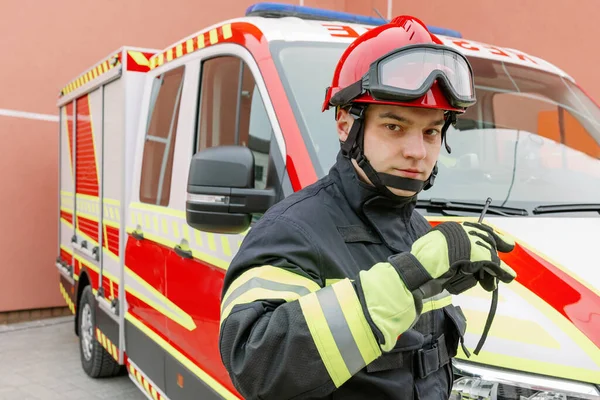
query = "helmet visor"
{"x": 408, "y": 74}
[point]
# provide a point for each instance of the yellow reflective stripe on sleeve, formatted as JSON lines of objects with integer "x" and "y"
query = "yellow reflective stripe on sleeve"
{"x": 266, "y": 282}
{"x": 340, "y": 331}
{"x": 258, "y": 294}
{"x": 269, "y": 273}
{"x": 319, "y": 330}
{"x": 360, "y": 328}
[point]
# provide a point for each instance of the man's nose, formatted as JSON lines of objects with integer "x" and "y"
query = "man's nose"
{"x": 414, "y": 146}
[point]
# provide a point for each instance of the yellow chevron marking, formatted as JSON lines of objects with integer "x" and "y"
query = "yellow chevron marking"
{"x": 211, "y": 241}
{"x": 139, "y": 58}
{"x": 67, "y": 298}
{"x": 165, "y": 226}
{"x": 214, "y": 38}
{"x": 210, "y": 381}
{"x": 225, "y": 245}
{"x": 227, "y": 31}
{"x": 172, "y": 311}
{"x": 158, "y": 210}
{"x": 176, "y": 228}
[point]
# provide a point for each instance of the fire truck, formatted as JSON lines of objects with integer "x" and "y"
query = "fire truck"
{"x": 169, "y": 156}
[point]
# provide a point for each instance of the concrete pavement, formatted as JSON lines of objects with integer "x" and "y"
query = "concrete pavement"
{"x": 40, "y": 361}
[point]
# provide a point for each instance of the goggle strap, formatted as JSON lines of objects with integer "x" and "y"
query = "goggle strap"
{"x": 450, "y": 119}
{"x": 347, "y": 94}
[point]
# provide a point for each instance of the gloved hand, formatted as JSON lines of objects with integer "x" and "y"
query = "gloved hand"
{"x": 456, "y": 256}
{"x": 483, "y": 271}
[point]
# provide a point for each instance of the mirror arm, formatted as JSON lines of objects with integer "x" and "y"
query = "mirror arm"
{"x": 251, "y": 200}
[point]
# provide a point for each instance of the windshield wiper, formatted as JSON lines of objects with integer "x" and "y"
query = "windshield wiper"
{"x": 558, "y": 208}
{"x": 442, "y": 205}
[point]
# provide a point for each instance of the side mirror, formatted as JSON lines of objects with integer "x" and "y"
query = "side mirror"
{"x": 221, "y": 195}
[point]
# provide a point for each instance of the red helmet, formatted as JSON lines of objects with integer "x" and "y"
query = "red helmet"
{"x": 425, "y": 72}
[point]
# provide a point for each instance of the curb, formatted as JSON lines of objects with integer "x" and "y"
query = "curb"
{"x": 5, "y": 328}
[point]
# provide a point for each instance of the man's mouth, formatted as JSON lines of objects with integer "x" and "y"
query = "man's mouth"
{"x": 409, "y": 172}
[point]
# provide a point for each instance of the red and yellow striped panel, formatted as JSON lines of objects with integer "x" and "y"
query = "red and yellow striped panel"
{"x": 88, "y": 227}
{"x": 107, "y": 344}
{"x": 138, "y": 61}
{"x": 70, "y": 120}
{"x": 67, "y": 298}
{"x": 112, "y": 239}
{"x": 144, "y": 383}
{"x": 67, "y": 216}
{"x": 217, "y": 35}
{"x": 66, "y": 256}
{"x": 111, "y": 288}
{"x": 86, "y": 167}
{"x": 99, "y": 69}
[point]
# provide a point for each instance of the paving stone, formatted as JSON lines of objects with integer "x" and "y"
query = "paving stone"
{"x": 40, "y": 360}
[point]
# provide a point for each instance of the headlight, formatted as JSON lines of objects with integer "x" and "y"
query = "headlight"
{"x": 477, "y": 382}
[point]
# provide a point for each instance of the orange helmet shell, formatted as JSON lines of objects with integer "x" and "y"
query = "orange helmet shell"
{"x": 375, "y": 43}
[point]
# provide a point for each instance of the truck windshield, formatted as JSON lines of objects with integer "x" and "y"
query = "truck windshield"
{"x": 532, "y": 138}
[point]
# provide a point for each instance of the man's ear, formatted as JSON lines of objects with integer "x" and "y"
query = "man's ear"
{"x": 343, "y": 123}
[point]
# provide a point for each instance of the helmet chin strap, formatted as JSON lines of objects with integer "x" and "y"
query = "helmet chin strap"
{"x": 353, "y": 148}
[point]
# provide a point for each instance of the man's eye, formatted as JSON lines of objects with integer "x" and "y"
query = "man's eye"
{"x": 432, "y": 132}
{"x": 392, "y": 127}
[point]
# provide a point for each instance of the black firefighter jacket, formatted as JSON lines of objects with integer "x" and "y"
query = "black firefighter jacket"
{"x": 284, "y": 337}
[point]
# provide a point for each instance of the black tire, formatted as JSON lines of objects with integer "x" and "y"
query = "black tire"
{"x": 96, "y": 361}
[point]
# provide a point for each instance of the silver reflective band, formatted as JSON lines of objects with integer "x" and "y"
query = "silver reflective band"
{"x": 261, "y": 283}
{"x": 491, "y": 376}
{"x": 332, "y": 310}
{"x": 204, "y": 198}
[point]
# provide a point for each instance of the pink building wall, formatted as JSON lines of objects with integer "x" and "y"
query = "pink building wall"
{"x": 45, "y": 44}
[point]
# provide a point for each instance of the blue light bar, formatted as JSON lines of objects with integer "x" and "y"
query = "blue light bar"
{"x": 279, "y": 10}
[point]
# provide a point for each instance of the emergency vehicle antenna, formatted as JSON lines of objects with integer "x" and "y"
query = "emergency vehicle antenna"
{"x": 494, "y": 305}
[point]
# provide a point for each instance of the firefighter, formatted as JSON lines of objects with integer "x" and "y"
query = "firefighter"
{"x": 342, "y": 290}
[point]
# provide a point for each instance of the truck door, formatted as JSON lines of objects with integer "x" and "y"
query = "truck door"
{"x": 111, "y": 192}
{"x": 230, "y": 111}
{"x": 148, "y": 226}
{"x": 88, "y": 152}
{"x": 65, "y": 260}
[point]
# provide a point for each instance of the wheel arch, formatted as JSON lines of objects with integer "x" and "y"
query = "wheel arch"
{"x": 84, "y": 280}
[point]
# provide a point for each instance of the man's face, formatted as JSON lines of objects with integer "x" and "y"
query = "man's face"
{"x": 401, "y": 141}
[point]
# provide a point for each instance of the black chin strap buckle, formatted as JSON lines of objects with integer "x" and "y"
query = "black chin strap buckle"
{"x": 450, "y": 120}
{"x": 431, "y": 180}
{"x": 357, "y": 111}
{"x": 361, "y": 159}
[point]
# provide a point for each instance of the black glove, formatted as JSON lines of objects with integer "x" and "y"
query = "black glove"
{"x": 458, "y": 255}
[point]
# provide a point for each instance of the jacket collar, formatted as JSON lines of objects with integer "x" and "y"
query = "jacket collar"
{"x": 389, "y": 217}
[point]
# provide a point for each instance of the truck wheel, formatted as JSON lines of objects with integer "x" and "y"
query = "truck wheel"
{"x": 95, "y": 360}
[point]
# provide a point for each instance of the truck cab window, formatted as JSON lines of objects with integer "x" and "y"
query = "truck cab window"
{"x": 159, "y": 142}
{"x": 232, "y": 112}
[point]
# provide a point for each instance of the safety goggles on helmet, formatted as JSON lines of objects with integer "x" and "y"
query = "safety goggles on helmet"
{"x": 407, "y": 74}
